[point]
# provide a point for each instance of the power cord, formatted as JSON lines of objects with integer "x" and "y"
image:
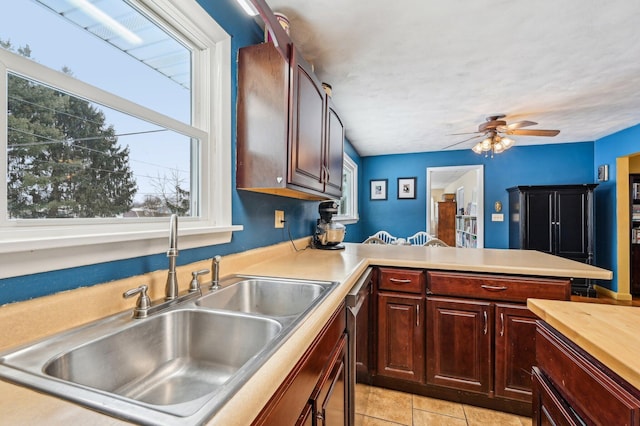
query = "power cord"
{"x": 291, "y": 238}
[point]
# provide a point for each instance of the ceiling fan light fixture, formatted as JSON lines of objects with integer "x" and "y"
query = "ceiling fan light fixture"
{"x": 477, "y": 148}
{"x": 486, "y": 144}
{"x": 507, "y": 142}
{"x": 498, "y": 148}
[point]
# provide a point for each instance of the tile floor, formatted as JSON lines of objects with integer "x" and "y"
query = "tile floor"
{"x": 383, "y": 407}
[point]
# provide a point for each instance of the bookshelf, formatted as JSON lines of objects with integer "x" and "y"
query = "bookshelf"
{"x": 634, "y": 186}
{"x": 466, "y": 231}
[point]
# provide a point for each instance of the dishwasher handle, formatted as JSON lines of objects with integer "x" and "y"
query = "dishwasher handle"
{"x": 353, "y": 299}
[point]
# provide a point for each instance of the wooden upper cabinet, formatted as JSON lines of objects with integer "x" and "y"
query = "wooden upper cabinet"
{"x": 289, "y": 135}
{"x": 334, "y": 151}
{"x": 307, "y": 126}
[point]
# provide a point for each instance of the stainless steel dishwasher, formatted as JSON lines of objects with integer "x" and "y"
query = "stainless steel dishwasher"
{"x": 354, "y": 301}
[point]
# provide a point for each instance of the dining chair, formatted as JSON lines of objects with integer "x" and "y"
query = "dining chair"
{"x": 435, "y": 242}
{"x": 385, "y": 236}
{"x": 419, "y": 238}
{"x": 373, "y": 240}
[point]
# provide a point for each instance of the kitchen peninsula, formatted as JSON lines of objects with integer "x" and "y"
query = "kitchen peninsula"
{"x": 25, "y": 321}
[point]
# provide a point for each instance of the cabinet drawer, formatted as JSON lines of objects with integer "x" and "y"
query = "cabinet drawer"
{"x": 584, "y": 383}
{"x": 548, "y": 406}
{"x": 497, "y": 287}
{"x": 405, "y": 280}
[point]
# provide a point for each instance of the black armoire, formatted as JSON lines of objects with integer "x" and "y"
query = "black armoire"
{"x": 554, "y": 219}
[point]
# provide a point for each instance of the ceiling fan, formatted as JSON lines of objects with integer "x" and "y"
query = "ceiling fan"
{"x": 495, "y": 131}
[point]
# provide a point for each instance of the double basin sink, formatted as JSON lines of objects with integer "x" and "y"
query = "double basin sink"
{"x": 178, "y": 366}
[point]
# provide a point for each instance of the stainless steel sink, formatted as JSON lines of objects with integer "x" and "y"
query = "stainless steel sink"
{"x": 271, "y": 297}
{"x": 168, "y": 359}
{"x": 178, "y": 366}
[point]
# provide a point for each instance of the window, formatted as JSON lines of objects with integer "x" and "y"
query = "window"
{"x": 114, "y": 116}
{"x": 349, "y": 202}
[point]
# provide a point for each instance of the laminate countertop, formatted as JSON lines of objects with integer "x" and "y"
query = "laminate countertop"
{"x": 26, "y": 321}
{"x": 608, "y": 332}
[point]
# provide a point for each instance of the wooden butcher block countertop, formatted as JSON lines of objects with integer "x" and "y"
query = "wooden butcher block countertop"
{"x": 608, "y": 332}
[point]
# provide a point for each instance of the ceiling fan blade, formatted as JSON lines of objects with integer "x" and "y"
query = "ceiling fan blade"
{"x": 516, "y": 125}
{"x": 468, "y": 133}
{"x": 466, "y": 140}
{"x": 533, "y": 132}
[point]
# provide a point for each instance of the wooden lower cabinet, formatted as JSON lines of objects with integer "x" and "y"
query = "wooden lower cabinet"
{"x": 459, "y": 343}
{"x": 315, "y": 391}
{"x": 329, "y": 398}
{"x": 480, "y": 346}
{"x": 515, "y": 351}
{"x": 476, "y": 341}
{"x": 572, "y": 387}
{"x": 401, "y": 336}
{"x": 549, "y": 409}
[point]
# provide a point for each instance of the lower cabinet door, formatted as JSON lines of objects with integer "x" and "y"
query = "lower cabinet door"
{"x": 549, "y": 409}
{"x": 306, "y": 418}
{"x": 515, "y": 343}
{"x": 459, "y": 343}
{"x": 401, "y": 336}
{"x": 331, "y": 400}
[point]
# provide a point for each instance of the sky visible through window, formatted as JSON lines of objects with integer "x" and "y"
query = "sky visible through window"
{"x": 56, "y": 43}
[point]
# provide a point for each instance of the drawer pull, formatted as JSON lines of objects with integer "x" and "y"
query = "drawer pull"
{"x": 399, "y": 281}
{"x": 494, "y": 287}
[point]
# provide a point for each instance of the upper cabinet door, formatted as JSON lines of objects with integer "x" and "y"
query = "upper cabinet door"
{"x": 307, "y": 126}
{"x": 334, "y": 151}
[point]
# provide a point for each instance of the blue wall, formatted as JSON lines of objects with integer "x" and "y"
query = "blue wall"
{"x": 252, "y": 210}
{"x": 606, "y": 150}
{"x": 521, "y": 165}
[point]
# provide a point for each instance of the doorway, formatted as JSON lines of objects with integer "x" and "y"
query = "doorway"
{"x": 467, "y": 184}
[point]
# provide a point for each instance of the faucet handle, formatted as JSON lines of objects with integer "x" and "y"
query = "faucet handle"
{"x": 195, "y": 284}
{"x": 142, "y": 304}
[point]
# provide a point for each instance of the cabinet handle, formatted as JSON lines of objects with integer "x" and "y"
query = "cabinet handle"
{"x": 485, "y": 322}
{"x": 417, "y": 315}
{"x": 494, "y": 287}
{"x": 501, "y": 324}
{"x": 399, "y": 281}
{"x": 325, "y": 174}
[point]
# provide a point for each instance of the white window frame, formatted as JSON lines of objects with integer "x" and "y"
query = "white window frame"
{"x": 32, "y": 246}
{"x": 352, "y": 215}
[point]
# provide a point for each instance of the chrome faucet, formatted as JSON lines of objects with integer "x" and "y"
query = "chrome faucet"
{"x": 215, "y": 273}
{"x": 171, "y": 289}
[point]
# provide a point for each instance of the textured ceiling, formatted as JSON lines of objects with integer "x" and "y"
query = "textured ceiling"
{"x": 408, "y": 73}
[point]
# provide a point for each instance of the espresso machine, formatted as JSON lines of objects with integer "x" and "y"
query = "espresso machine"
{"x": 329, "y": 234}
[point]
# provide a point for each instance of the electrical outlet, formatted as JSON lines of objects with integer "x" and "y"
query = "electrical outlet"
{"x": 279, "y": 219}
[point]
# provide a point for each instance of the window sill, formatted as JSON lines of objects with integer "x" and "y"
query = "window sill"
{"x": 30, "y": 256}
{"x": 346, "y": 220}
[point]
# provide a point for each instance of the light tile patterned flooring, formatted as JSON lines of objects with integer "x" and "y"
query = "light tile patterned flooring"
{"x": 383, "y": 407}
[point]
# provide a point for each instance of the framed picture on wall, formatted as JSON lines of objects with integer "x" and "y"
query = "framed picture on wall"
{"x": 406, "y": 188}
{"x": 378, "y": 189}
